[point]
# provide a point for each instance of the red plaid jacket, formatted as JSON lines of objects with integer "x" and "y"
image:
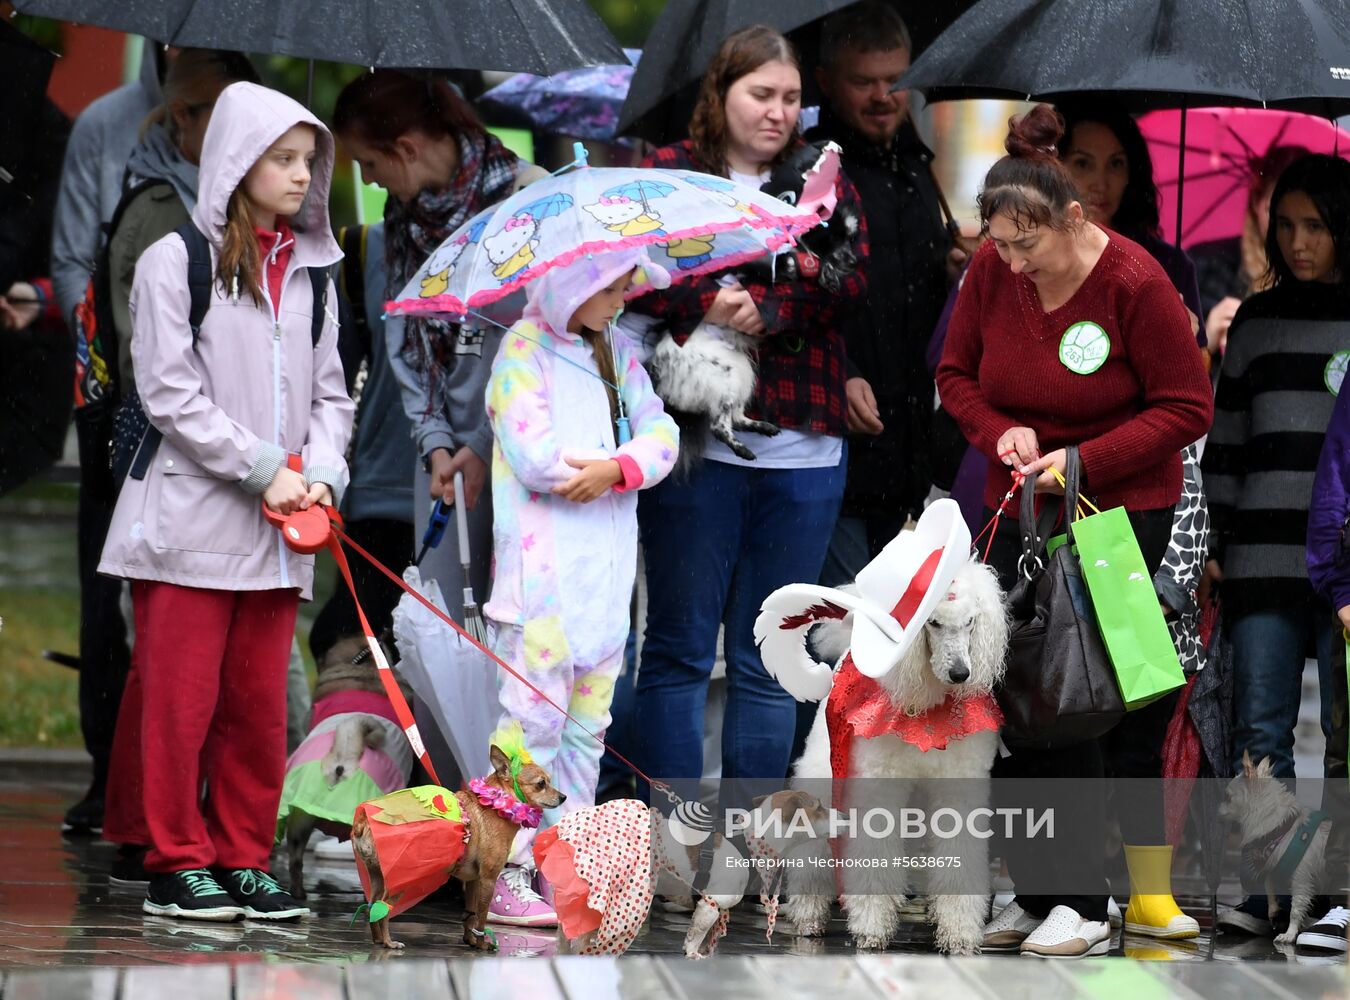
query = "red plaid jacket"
{"x": 801, "y": 361}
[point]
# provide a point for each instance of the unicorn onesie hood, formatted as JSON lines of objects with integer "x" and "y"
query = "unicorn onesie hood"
{"x": 564, "y": 570}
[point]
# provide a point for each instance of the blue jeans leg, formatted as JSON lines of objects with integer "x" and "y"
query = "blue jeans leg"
{"x": 1267, "y": 679}
{"x": 691, "y": 533}
{"x": 791, "y": 515}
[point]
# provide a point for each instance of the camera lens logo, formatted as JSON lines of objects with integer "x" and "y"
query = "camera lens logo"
{"x": 691, "y": 824}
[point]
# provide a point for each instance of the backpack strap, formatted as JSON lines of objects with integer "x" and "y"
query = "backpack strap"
{"x": 352, "y": 239}
{"x": 318, "y": 282}
{"x": 198, "y": 275}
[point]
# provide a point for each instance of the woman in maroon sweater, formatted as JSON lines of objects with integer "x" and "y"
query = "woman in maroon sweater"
{"x": 1045, "y": 280}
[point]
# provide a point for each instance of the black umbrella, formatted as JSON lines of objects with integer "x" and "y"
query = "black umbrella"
{"x": 523, "y": 36}
{"x": 25, "y": 67}
{"x": 1293, "y": 54}
{"x": 688, "y": 33}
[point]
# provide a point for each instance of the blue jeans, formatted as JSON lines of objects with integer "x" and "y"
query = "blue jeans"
{"x": 1268, "y": 655}
{"x": 716, "y": 545}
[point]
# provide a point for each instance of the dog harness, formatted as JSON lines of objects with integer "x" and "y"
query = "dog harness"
{"x": 860, "y": 706}
{"x": 1278, "y": 853}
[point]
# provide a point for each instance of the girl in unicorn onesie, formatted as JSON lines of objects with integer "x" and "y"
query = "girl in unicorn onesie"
{"x": 578, "y": 432}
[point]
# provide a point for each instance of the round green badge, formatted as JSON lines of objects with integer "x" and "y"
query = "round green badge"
{"x": 1084, "y": 347}
{"x": 1334, "y": 373}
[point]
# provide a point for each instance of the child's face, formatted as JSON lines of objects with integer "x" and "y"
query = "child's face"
{"x": 599, "y": 310}
{"x": 1303, "y": 237}
{"x": 278, "y": 182}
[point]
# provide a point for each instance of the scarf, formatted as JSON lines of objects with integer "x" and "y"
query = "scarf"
{"x": 859, "y": 706}
{"x": 157, "y": 158}
{"x": 413, "y": 230}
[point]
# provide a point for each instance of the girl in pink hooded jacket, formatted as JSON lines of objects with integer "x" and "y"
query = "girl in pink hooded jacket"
{"x": 214, "y": 590}
{"x": 565, "y": 476}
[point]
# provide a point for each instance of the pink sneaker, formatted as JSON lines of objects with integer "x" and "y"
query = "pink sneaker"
{"x": 544, "y": 887}
{"x": 515, "y": 902}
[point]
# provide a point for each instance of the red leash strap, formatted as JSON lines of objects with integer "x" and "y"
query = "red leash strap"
{"x": 396, "y": 696}
{"x": 391, "y": 688}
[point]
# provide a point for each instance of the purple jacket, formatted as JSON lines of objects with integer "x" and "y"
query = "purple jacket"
{"x": 1328, "y": 564}
{"x": 253, "y": 390}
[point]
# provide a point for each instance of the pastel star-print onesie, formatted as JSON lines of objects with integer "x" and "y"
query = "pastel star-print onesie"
{"x": 564, "y": 571}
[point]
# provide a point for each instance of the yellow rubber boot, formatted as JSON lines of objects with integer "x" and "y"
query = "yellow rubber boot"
{"x": 1152, "y": 910}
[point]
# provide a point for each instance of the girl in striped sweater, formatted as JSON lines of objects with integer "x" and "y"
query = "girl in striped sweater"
{"x": 1287, "y": 354}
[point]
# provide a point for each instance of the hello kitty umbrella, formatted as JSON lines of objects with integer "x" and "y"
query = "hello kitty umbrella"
{"x": 690, "y": 224}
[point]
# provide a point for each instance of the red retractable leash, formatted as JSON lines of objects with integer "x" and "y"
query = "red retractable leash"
{"x": 321, "y": 527}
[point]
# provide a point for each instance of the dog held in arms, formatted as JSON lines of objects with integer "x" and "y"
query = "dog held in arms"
{"x": 707, "y": 381}
{"x": 931, "y": 715}
{"x": 1283, "y": 843}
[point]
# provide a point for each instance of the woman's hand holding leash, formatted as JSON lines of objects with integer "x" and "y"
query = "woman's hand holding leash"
{"x": 596, "y": 476}
{"x": 1044, "y": 470}
{"x": 1018, "y": 447}
{"x": 319, "y": 493}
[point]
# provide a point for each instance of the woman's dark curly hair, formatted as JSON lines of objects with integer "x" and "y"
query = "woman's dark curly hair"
{"x": 1138, "y": 212}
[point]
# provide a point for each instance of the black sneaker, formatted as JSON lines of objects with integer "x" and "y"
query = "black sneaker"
{"x": 1328, "y": 934}
{"x": 191, "y": 895}
{"x": 1252, "y": 916}
{"x": 85, "y": 818}
{"x": 260, "y": 896}
{"x": 128, "y": 868}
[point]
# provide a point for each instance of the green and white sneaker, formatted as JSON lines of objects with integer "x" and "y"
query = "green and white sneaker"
{"x": 193, "y": 894}
{"x": 260, "y": 896}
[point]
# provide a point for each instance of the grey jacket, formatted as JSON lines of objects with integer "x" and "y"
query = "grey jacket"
{"x": 382, "y": 454}
{"x": 101, "y": 141}
{"x": 458, "y": 418}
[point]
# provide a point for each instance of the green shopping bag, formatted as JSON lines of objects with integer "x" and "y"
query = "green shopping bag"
{"x": 1128, "y": 613}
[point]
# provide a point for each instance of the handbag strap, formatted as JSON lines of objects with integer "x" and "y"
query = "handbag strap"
{"x": 1036, "y": 531}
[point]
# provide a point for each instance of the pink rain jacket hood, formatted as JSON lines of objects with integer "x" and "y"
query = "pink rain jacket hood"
{"x": 254, "y": 388}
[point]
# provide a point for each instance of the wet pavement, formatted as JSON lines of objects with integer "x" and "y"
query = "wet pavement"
{"x": 66, "y": 932}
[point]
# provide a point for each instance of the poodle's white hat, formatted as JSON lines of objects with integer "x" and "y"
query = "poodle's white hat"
{"x": 897, "y": 593}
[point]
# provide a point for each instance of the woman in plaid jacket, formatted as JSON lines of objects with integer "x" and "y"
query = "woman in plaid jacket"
{"x": 720, "y": 539}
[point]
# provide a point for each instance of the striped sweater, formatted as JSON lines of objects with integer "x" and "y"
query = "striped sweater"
{"x": 1276, "y": 392}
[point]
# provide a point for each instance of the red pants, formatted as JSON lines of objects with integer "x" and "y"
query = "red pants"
{"x": 205, "y": 702}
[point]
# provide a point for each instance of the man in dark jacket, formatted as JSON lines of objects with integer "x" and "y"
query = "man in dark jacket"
{"x": 864, "y": 49}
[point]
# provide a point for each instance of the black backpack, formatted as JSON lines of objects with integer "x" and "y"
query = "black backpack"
{"x": 135, "y": 440}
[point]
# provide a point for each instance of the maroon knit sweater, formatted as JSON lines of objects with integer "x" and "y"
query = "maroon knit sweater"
{"x": 1130, "y": 418}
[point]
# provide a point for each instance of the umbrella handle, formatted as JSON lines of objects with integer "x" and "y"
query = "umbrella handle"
{"x": 461, "y": 519}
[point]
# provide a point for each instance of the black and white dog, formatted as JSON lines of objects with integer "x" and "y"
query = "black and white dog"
{"x": 708, "y": 381}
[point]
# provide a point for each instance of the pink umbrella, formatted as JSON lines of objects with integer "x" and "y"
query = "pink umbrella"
{"x": 1224, "y": 147}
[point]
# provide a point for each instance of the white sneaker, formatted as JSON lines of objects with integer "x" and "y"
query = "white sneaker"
{"x": 1113, "y": 915}
{"x": 331, "y": 849}
{"x": 1065, "y": 934}
{"x": 1009, "y": 929}
{"x": 1328, "y": 934}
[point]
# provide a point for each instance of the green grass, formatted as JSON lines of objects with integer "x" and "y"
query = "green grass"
{"x": 39, "y": 700}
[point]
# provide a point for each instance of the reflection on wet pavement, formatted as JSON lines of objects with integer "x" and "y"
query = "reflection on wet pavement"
{"x": 58, "y": 910}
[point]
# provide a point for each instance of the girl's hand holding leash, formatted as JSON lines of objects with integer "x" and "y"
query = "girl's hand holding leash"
{"x": 318, "y": 493}
{"x": 596, "y": 476}
{"x": 288, "y": 492}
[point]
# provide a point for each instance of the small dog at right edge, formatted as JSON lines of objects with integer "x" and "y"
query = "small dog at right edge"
{"x": 1273, "y": 825}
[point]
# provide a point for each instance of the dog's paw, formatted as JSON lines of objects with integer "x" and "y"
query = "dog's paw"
{"x": 871, "y": 942}
{"x": 951, "y": 941}
{"x": 394, "y": 945}
{"x": 1288, "y": 937}
{"x": 809, "y": 915}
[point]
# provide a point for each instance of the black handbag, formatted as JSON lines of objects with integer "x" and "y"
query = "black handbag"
{"x": 1060, "y": 688}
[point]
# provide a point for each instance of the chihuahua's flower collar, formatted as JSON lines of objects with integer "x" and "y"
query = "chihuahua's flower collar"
{"x": 503, "y": 803}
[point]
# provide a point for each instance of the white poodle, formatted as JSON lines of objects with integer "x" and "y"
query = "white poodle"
{"x": 959, "y": 653}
